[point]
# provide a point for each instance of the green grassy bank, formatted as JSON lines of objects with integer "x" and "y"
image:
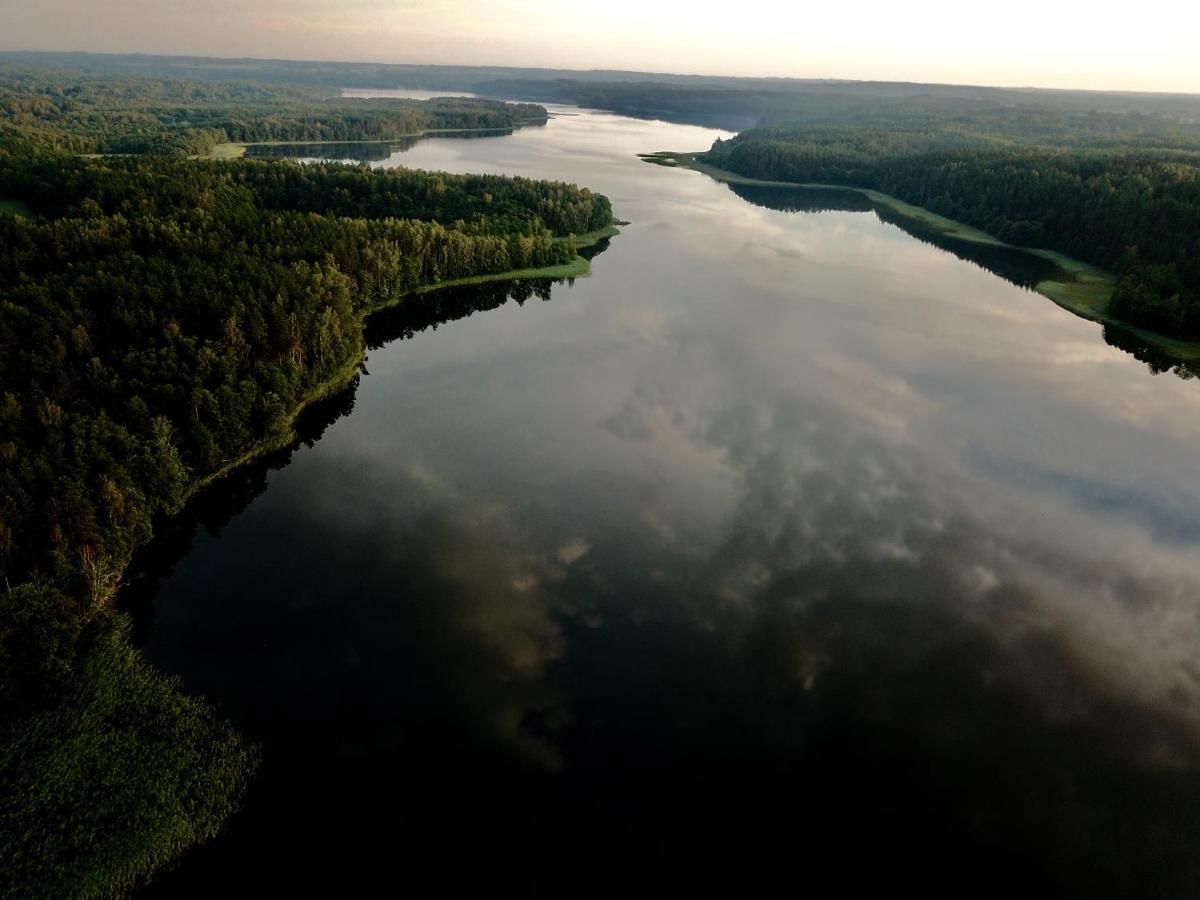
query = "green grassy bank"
{"x": 1081, "y": 288}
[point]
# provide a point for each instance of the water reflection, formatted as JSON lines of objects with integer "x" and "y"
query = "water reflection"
{"x": 363, "y": 151}
{"x": 868, "y": 674}
{"x": 783, "y": 551}
{"x": 216, "y": 506}
{"x": 1013, "y": 265}
{"x": 1023, "y": 269}
{"x": 807, "y": 200}
{"x": 1154, "y": 358}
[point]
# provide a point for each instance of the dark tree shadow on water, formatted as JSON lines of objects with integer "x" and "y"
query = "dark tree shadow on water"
{"x": 214, "y": 507}
{"x": 1014, "y": 265}
{"x": 361, "y": 151}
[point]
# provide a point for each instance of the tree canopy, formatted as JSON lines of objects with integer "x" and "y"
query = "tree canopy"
{"x": 1032, "y": 180}
{"x": 163, "y": 319}
{"x": 87, "y": 113}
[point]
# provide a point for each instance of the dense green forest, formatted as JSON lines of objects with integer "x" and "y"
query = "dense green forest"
{"x": 87, "y": 113}
{"x": 163, "y": 319}
{"x": 169, "y": 314}
{"x": 1058, "y": 181}
{"x": 1108, "y": 178}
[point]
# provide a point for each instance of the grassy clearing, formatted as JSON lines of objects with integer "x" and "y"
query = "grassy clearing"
{"x": 929, "y": 219}
{"x": 15, "y": 208}
{"x": 592, "y": 238}
{"x": 228, "y": 151}
{"x": 1085, "y": 289}
{"x": 1082, "y": 289}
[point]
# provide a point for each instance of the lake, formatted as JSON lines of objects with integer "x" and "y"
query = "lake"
{"x": 783, "y": 550}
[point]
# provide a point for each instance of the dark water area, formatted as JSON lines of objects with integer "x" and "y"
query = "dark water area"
{"x": 784, "y": 552}
{"x": 804, "y": 199}
{"x": 1010, "y": 263}
{"x": 1156, "y": 359}
{"x": 215, "y": 506}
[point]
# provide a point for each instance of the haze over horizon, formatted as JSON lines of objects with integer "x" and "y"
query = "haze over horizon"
{"x": 1068, "y": 45}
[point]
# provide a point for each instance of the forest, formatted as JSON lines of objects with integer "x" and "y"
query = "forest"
{"x": 162, "y": 325}
{"x": 1122, "y": 194}
{"x": 88, "y": 113}
{"x": 680, "y": 97}
{"x": 162, "y": 320}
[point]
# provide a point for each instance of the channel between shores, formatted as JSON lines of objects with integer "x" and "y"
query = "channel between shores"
{"x": 1082, "y": 289}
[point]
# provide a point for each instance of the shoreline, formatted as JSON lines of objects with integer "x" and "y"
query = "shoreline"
{"x": 285, "y": 432}
{"x": 237, "y": 149}
{"x": 1084, "y": 289}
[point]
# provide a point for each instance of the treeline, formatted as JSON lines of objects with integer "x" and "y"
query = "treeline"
{"x": 1115, "y": 120}
{"x": 161, "y": 319}
{"x": 738, "y": 96}
{"x": 477, "y": 204}
{"x": 480, "y": 204}
{"x": 83, "y": 113}
{"x": 166, "y": 315}
{"x": 1136, "y": 213}
{"x": 347, "y": 119}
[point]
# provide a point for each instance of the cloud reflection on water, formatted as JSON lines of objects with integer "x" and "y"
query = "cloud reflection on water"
{"x": 846, "y": 557}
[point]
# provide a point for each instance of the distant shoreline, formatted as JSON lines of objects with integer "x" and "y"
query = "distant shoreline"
{"x": 237, "y": 149}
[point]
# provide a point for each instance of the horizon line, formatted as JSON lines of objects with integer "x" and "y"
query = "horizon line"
{"x": 601, "y": 70}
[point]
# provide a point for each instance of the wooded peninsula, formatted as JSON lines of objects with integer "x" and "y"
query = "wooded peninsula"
{"x": 162, "y": 320}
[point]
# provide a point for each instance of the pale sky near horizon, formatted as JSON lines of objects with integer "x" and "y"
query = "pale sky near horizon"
{"x": 1150, "y": 45}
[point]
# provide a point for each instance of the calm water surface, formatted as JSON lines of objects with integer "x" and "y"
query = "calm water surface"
{"x": 783, "y": 550}
{"x": 402, "y": 93}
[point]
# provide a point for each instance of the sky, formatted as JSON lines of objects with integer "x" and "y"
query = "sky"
{"x": 1148, "y": 45}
